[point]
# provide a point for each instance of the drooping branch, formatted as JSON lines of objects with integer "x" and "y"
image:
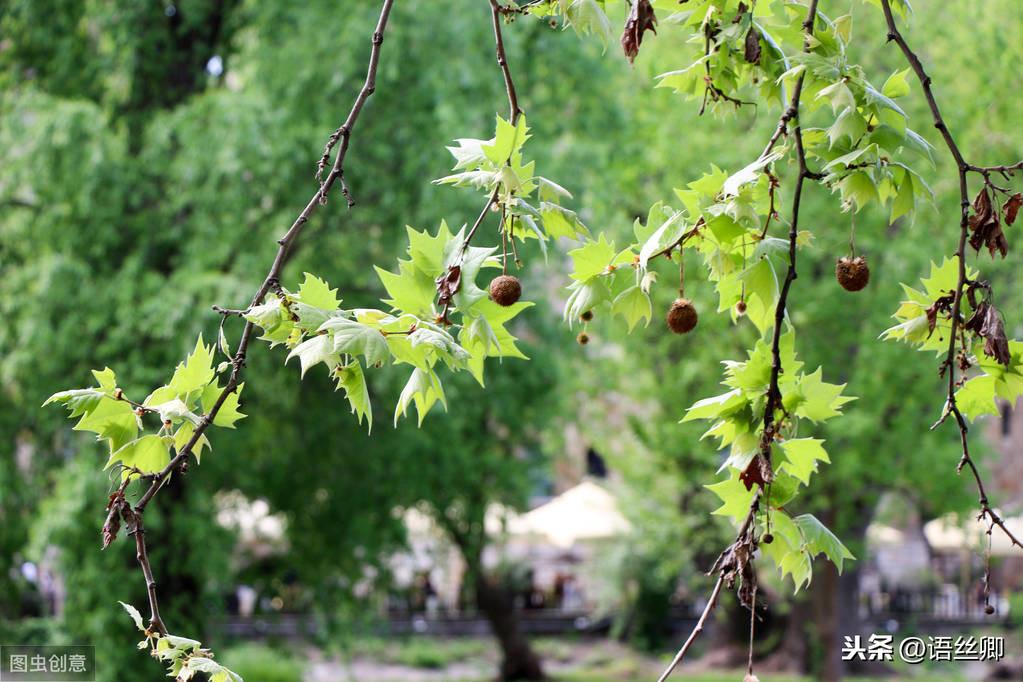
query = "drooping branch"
{"x": 339, "y": 141}
{"x": 734, "y": 562}
{"x": 449, "y": 282}
{"x": 963, "y": 168}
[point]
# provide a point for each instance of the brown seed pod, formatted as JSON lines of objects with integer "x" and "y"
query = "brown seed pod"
{"x": 583, "y": 338}
{"x": 740, "y": 308}
{"x": 989, "y": 610}
{"x": 587, "y": 316}
{"x": 767, "y": 539}
{"x": 505, "y": 290}
{"x": 852, "y": 273}
{"x": 681, "y": 316}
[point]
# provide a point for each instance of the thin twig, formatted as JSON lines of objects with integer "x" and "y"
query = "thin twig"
{"x": 711, "y": 603}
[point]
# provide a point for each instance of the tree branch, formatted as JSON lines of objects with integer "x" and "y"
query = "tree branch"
{"x": 949, "y": 364}
{"x": 734, "y": 561}
{"x": 341, "y": 138}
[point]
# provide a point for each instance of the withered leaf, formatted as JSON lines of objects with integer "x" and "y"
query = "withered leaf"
{"x": 752, "y": 52}
{"x": 976, "y": 320}
{"x": 996, "y": 343}
{"x": 758, "y": 472}
{"x": 640, "y": 20}
{"x": 447, "y": 284}
{"x": 1012, "y": 207}
{"x": 942, "y": 304}
{"x": 986, "y": 226}
{"x": 740, "y": 12}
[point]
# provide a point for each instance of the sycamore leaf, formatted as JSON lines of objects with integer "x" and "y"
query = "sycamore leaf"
{"x": 313, "y": 351}
{"x": 351, "y": 378}
{"x": 184, "y": 434}
{"x": 424, "y": 390}
{"x": 634, "y": 305}
{"x": 228, "y": 413}
{"x": 820, "y": 540}
{"x": 195, "y": 372}
{"x": 317, "y": 293}
{"x": 355, "y": 338}
{"x": 175, "y": 411}
{"x": 734, "y": 497}
{"x": 592, "y": 258}
{"x": 149, "y": 454}
{"x": 802, "y": 455}
{"x": 136, "y": 617}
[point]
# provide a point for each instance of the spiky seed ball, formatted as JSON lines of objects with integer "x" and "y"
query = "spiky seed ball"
{"x": 852, "y": 273}
{"x": 505, "y": 290}
{"x": 767, "y": 539}
{"x": 681, "y": 316}
{"x": 587, "y": 316}
{"x": 740, "y": 308}
{"x": 583, "y": 338}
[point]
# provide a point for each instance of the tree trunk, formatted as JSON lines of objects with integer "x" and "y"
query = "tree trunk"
{"x": 518, "y": 660}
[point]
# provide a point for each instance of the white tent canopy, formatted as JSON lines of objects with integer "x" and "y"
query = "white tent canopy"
{"x": 584, "y": 513}
{"x": 949, "y": 534}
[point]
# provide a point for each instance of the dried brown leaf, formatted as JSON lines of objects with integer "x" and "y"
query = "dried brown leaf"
{"x": 1012, "y": 207}
{"x": 640, "y": 20}
{"x": 752, "y": 49}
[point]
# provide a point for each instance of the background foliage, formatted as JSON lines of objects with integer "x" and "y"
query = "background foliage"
{"x": 133, "y": 197}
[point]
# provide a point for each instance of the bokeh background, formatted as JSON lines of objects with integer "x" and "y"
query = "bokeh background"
{"x": 152, "y": 152}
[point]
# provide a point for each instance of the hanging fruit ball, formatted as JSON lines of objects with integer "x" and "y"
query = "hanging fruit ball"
{"x": 740, "y": 308}
{"x": 505, "y": 290}
{"x": 681, "y": 316}
{"x": 767, "y": 539}
{"x": 587, "y": 316}
{"x": 583, "y": 338}
{"x": 852, "y": 273}
{"x": 989, "y": 610}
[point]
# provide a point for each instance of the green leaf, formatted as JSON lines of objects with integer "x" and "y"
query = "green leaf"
{"x": 858, "y": 189}
{"x": 802, "y": 455}
{"x": 78, "y": 401}
{"x": 820, "y": 400}
{"x": 424, "y": 390}
{"x": 194, "y": 373}
{"x": 149, "y": 454}
{"x": 355, "y": 338}
{"x": 184, "y": 434}
{"x": 897, "y": 84}
{"x": 634, "y": 305}
{"x": 317, "y": 293}
{"x": 136, "y": 617}
{"x": 351, "y": 378}
{"x": 735, "y": 498}
{"x": 228, "y": 413}
{"x": 313, "y": 351}
{"x": 905, "y": 200}
{"x": 716, "y": 407}
{"x": 820, "y": 540}
{"x": 175, "y": 411}
{"x": 592, "y": 258}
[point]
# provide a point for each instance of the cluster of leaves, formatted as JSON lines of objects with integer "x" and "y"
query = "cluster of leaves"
{"x": 184, "y": 657}
{"x": 738, "y": 424}
{"x": 436, "y": 281}
{"x": 925, "y": 322}
{"x": 863, "y": 153}
{"x": 179, "y": 405}
{"x": 497, "y": 166}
